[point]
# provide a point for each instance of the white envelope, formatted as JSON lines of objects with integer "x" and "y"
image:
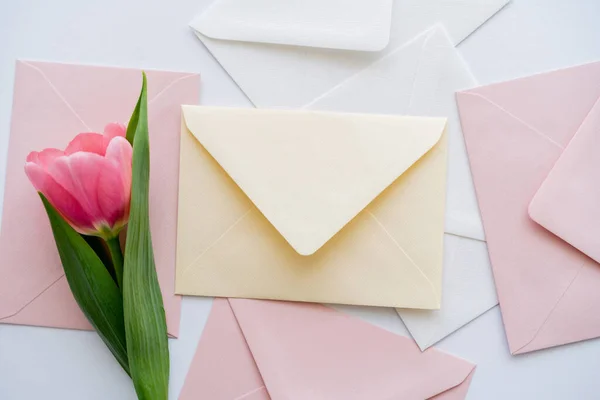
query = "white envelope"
{"x": 261, "y": 42}
{"x": 420, "y": 78}
{"x": 336, "y": 24}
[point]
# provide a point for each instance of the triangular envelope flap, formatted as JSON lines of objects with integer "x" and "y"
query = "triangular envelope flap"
{"x": 222, "y": 367}
{"x": 554, "y": 103}
{"x": 348, "y": 24}
{"x": 307, "y": 351}
{"x": 567, "y": 202}
{"x": 310, "y": 173}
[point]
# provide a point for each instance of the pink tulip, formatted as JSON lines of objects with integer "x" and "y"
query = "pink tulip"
{"x": 89, "y": 183}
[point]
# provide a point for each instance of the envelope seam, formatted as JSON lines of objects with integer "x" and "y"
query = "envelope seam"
{"x": 444, "y": 390}
{"x": 200, "y": 37}
{"x": 431, "y": 340}
{"x": 535, "y": 335}
{"x": 483, "y": 20}
{"x": 583, "y": 121}
{"x": 403, "y": 251}
{"x": 251, "y": 392}
{"x": 239, "y": 324}
{"x": 418, "y": 67}
{"x": 60, "y": 96}
{"x": 213, "y": 244}
{"x": 169, "y": 86}
{"x": 531, "y": 128}
{"x": 33, "y": 299}
{"x": 464, "y": 236}
{"x": 430, "y": 32}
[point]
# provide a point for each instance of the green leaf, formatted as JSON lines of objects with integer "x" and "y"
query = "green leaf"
{"x": 92, "y": 286}
{"x": 145, "y": 324}
{"x": 133, "y": 121}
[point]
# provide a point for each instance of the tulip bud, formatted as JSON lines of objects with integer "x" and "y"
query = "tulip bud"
{"x": 89, "y": 183}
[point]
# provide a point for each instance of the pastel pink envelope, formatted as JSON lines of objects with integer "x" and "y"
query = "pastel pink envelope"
{"x": 260, "y": 350}
{"x": 52, "y": 103}
{"x": 568, "y": 202}
{"x": 515, "y": 132}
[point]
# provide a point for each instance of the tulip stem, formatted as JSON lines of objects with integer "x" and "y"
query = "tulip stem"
{"x": 117, "y": 258}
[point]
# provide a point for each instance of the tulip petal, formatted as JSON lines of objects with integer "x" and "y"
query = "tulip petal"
{"x": 113, "y": 200}
{"x": 113, "y": 130}
{"x": 97, "y": 183}
{"x": 44, "y": 157}
{"x": 60, "y": 198}
{"x": 79, "y": 173}
{"x": 87, "y": 142}
{"x": 120, "y": 151}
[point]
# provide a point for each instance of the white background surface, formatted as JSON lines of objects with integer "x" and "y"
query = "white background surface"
{"x": 528, "y": 36}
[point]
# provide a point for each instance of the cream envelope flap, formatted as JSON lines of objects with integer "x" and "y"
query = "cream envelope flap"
{"x": 295, "y": 230}
{"x": 310, "y": 173}
{"x": 337, "y": 24}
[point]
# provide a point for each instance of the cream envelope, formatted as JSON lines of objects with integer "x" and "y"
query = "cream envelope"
{"x": 515, "y": 132}
{"x": 276, "y": 72}
{"x": 567, "y": 203}
{"x": 421, "y": 78}
{"x": 311, "y": 206}
{"x": 262, "y": 350}
{"x": 52, "y": 103}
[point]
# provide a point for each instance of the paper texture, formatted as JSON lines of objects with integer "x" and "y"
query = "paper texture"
{"x": 337, "y": 24}
{"x": 515, "y": 132}
{"x": 299, "y": 205}
{"x": 292, "y": 76}
{"x": 52, "y": 103}
{"x": 567, "y": 202}
{"x": 421, "y": 78}
{"x": 253, "y": 349}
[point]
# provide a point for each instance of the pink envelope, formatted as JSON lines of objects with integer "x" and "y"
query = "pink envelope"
{"x": 515, "y": 132}
{"x": 52, "y": 103}
{"x": 261, "y": 350}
